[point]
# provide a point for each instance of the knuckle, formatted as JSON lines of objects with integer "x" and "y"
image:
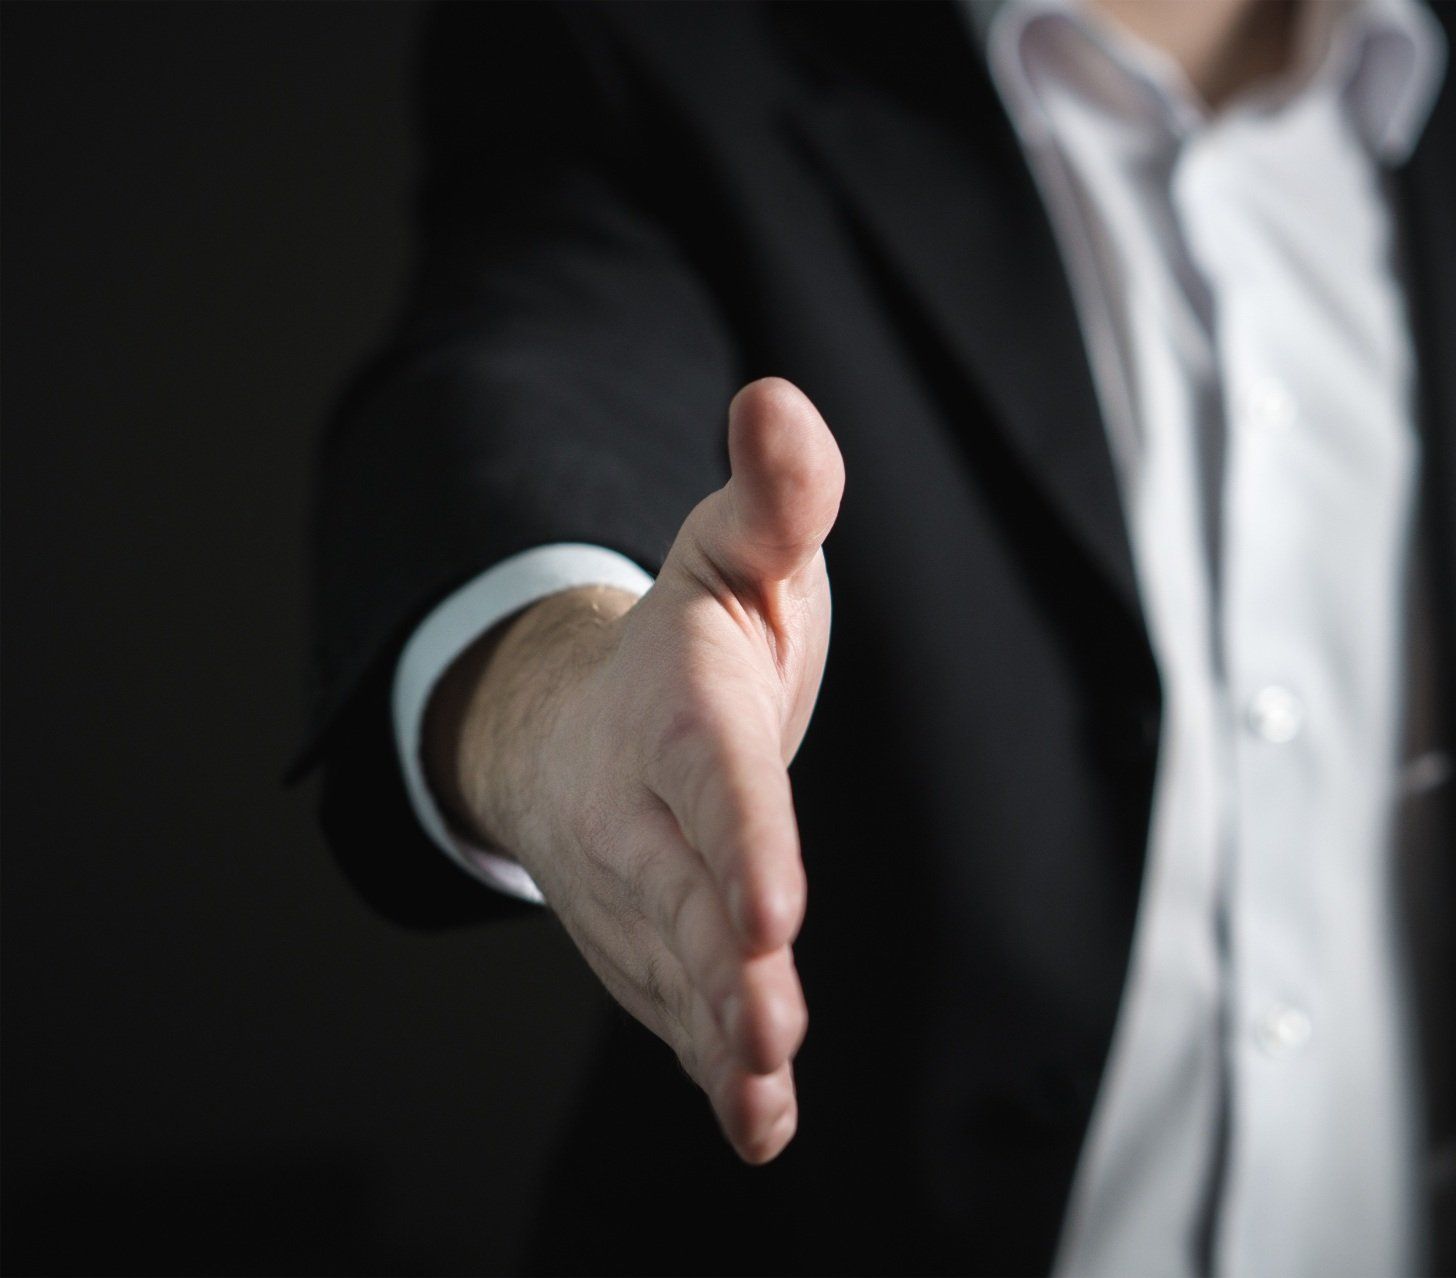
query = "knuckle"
{"x": 641, "y": 871}
{"x": 793, "y": 1027}
{"x": 666, "y": 995}
{"x": 773, "y": 908}
{"x": 683, "y": 724}
{"x": 773, "y": 1040}
{"x": 654, "y": 983}
{"x": 676, "y": 899}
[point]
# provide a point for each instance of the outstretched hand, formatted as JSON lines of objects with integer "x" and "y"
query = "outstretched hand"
{"x": 634, "y": 759}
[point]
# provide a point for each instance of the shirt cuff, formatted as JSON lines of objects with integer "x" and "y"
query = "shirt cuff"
{"x": 447, "y": 632}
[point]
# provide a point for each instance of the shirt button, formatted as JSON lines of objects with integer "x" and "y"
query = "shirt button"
{"x": 1275, "y": 714}
{"x": 1268, "y": 404}
{"x": 1282, "y": 1030}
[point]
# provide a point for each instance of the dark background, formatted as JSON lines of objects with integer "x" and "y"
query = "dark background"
{"x": 215, "y": 1060}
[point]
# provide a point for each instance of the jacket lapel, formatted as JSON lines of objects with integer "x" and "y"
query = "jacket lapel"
{"x": 906, "y": 127}
{"x": 921, "y": 154}
{"x": 1426, "y": 193}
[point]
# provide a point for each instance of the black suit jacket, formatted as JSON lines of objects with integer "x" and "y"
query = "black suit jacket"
{"x": 628, "y": 212}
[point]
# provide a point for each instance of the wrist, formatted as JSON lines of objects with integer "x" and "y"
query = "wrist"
{"x": 489, "y": 723}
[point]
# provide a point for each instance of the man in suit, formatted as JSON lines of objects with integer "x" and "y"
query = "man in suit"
{"x": 1124, "y": 331}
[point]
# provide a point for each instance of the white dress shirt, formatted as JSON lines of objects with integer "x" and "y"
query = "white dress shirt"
{"x": 1238, "y": 293}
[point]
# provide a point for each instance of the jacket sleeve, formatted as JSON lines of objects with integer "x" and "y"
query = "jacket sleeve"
{"x": 560, "y": 373}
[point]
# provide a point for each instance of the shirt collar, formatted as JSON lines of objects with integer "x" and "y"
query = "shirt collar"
{"x": 1398, "y": 55}
{"x": 1386, "y": 57}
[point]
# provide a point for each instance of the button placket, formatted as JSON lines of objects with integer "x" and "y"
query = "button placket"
{"x": 1275, "y": 714}
{"x": 1266, "y": 404}
{"x": 1282, "y": 1030}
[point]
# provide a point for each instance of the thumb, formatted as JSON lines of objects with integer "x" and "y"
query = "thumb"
{"x": 769, "y": 521}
